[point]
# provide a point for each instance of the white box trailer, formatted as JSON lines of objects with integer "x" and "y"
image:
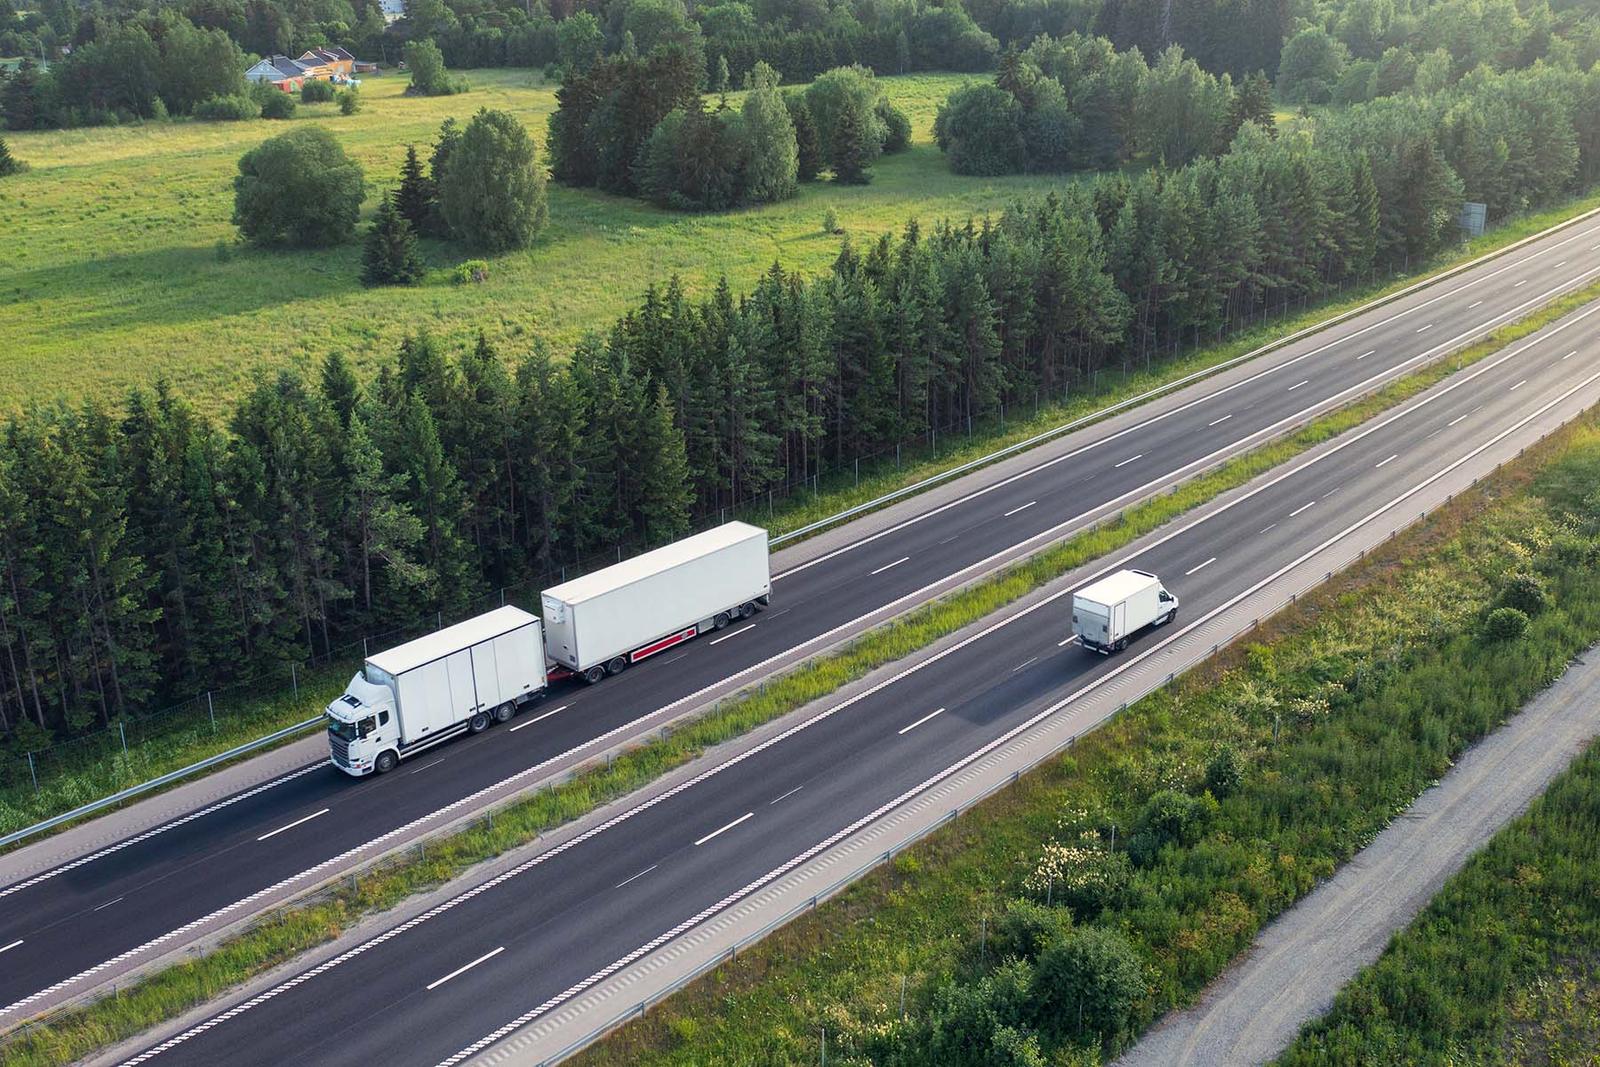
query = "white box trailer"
{"x": 615, "y": 617}
{"x": 1106, "y": 613}
{"x": 457, "y": 680}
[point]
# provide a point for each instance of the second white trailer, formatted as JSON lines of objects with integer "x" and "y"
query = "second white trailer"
{"x": 615, "y": 617}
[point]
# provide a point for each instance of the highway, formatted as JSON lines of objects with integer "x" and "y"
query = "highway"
{"x": 444, "y": 986}
{"x": 64, "y": 930}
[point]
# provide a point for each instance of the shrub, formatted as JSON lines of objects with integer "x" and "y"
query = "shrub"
{"x": 1525, "y": 592}
{"x": 492, "y": 190}
{"x": 1027, "y": 928}
{"x": 228, "y": 108}
{"x": 473, "y": 270}
{"x": 830, "y": 221}
{"x": 428, "y": 75}
{"x": 278, "y": 105}
{"x": 1089, "y": 982}
{"x": 1505, "y": 624}
{"x": 1169, "y": 817}
{"x": 1085, "y": 876}
{"x": 298, "y": 189}
{"x": 896, "y": 126}
{"x": 316, "y": 91}
{"x": 9, "y": 164}
{"x": 391, "y": 256}
{"x": 1224, "y": 772}
{"x": 350, "y": 101}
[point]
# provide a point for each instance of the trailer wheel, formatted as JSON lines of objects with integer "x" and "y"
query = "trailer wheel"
{"x": 387, "y": 761}
{"x": 747, "y": 609}
{"x": 618, "y": 665}
{"x": 479, "y": 723}
{"x": 721, "y": 621}
{"x": 594, "y": 674}
{"x": 504, "y": 712}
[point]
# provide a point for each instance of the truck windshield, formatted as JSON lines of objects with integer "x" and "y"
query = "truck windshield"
{"x": 349, "y": 731}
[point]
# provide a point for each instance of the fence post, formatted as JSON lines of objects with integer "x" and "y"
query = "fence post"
{"x": 33, "y": 773}
{"x": 211, "y": 709}
{"x": 294, "y": 680}
{"x": 123, "y": 733}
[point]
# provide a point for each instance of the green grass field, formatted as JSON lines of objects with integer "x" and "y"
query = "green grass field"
{"x": 112, "y": 274}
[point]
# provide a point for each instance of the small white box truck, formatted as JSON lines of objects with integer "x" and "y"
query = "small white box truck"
{"x": 457, "y": 680}
{"x": 1106, "y": 613}
{"x": 605, "y": 621}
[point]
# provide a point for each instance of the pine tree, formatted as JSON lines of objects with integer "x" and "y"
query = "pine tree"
{"x": 808, "y": 143}
{"x": 382, "y": 534}
{"x": 663, "y": 472}
{"x": 415, "y": 199}
{"x": 391, "y": 255}
{"x": 9, "y": 164}
{"x": 853, "y": 150}
{"x": 339, "y": 387}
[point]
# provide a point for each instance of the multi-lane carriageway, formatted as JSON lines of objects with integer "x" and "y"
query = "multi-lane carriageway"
{"x": 66, "y": 929}
{"x": 450, "y": 983}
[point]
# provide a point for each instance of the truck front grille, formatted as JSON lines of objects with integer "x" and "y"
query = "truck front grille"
{"x": 341, "y": 749}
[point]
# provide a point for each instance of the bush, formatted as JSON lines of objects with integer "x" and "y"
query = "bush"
{"x": 1027, "y": 928}
{"x": 9, "y": 164}
{"x": 896, "y": 126}
{"x": 492, "y": 190}
{"x": 1505, "y": 624}
{"x": 298, "y": 189}
{"x": 1083, "y": 875}
{"x": 1225, "y": 772}
{"x": 830, "y": 221}
{"x": 473, "y": 270}
{"x": 1525, "y": 592}
{"x": 1170, "y": 816}
{"x": 350, "y": 101}
{"x": 1089, "y": 982}
{"x": 316, "y": 91}
{"x": 278, "y": 105}
{"x": 428, "y": 74}
{"x": 228, "y": 109}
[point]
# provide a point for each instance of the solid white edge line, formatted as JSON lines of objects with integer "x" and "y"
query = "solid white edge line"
{"x": 736, "y": 633}
{"x": 1391, "y": 459}
{"x": 925, "y": 718}
{"x": 636, "y": 877}
{"x": 297, "y": 822}
{"x": 725, "y": 829}
{"x": 1015, "y": 511}
{"x": 463, "y": 970}
{"x": 886, "y": 566}
{"x": 1201, "y": 567}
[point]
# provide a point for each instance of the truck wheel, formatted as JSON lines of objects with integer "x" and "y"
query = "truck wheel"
{"x": 618, "y": 665}
{"x": 386, "y": 762}
{"x": 747, "y": 609}
{"x": 721, "y": 621}
{"x": 594, "y": 674}
{"x": 479, "y": 723}
{"x": 1173, "y": 614}
{"x": 1121, "y": 644}
{"x": 504, "y": 712}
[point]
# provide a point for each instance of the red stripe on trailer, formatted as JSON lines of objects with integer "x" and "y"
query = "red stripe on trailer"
{"x": 662, "y": 645}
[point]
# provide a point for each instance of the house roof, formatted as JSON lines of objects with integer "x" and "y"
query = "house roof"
{"x": 289, "y": 68}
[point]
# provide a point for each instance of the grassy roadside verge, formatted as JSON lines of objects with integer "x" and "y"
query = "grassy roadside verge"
{"x": 23, "y": 804}
{"x": 284, "y": 934}
{"x": 1501, "y": 967}
{"x": 1054, "y": 922}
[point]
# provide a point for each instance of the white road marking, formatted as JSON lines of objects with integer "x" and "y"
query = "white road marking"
{"x": 11, "y": 946}
{"x": 947, "y": 540}
{"x": 1129, "y": 460}
{"x": 919, "y": 722}
{"x": 725, "y": 829}
{"x": 419, "y": 770}
{"x": 1298, "y": 384}
{"x": 291, "y": 826}
{"x": 1434, "y": 434}
{"x": 1219, "y": 422}
{"x": 1519, "y": 385}
{"x": 736, "y": 633}
{"x": 107, "y": 904}
{"x": 1569, "y": 355}
{"x": 1425, "y": 329}
{"x": 1024, "y": 507}
{"x": 1520, "y": 284}
{"x": 1301, "y": 508}
{"x": 1201, "y": 567}
{"x": 1266, "y": 528}
{"x": 1068, "y": 641}
{"x": 786, "y": 796}
{"x": 1364, "y": 355}
{"x": 1332, "y": 491}
{"x": 896, "y": 563}
{"x": 1474, "y": 304}
{"x": 537, "y": 718}
{"x": 1558, "y": 266}
{"x": 1391, "y": 459}
{"x": 1453, "y": 421}
{"x": 1015, "y": 669}
{"x": 641, "y": 874}
{"x": 463, "y": 970}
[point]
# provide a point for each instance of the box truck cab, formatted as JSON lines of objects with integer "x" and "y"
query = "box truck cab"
{"x": 1108, "y": 612}
{"x": 455, "y": 681}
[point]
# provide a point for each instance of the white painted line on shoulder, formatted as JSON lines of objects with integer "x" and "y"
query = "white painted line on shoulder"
{"x": 1017, "y": 668}
{"x": 1364, "y": 355}
{"x": 1129, "y": 460}
{"x": 1068, "y": 641}
{"x": 896, "y": 563}
{"x": 108, "y": 904}
{"x": 11, "y": 946}
{"x": 1024, "y": 507}
{"x": 919, "y": 722}
{"x": 291, "y": 826}
{"x": 1296, "y": 385}
{"x": 736, "y": 633}
{"x": 1453, "y": 421}
{"x": 641, "y": 874}
{"x": 725, "y": 829}
{"x": 1200, "y": 567}
{"x": 463, "y": 970}
{"x": 1301, "y": 508}
{"x": 1425, "y": 329}
{"x": 1219, "y": 422}
{"x": 1519, "y": 385}
{"x": 785, "y": 796}
{"x": 1391, "y": 459}
{"x": 1474, "y": 304}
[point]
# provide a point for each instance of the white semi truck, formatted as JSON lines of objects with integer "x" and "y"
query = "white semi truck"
{"x": 457, "y": 680}
{"x": 1106, "y": 613}
{"x": 608, "y": 620}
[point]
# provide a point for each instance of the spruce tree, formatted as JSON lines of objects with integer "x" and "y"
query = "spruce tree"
{"x": 9, "y": 164}
{"x": 415, "y": 199}
{"x": 391, "y": 256}
{"x": 663, "y": 474}
{"x": 853, "y": 150}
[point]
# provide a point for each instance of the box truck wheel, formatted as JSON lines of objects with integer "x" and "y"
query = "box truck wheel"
{"x": 747, "y": 609}
{"x": 387, "y": 761}
{"x": 618, "y": 665}
{"x": 479, "y": 723}
{"x": 1173, "y": 614}
{"x": 594, "y": 674}
{"x": 1122, "y": 643}
{"x": 504, "y": 712}
{"x": 721, "y": 621}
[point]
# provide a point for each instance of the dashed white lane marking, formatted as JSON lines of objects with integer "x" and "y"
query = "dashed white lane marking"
{"x": 297, "y": 822}
{"x": 1015, "y": 669}
{"x": 539, "y": 717}
{"x": 1569, "y": 355}
{"x": 1301, "y": 508}
{"x": 1453, "y": 421}
{"x": 635, "y": 877}
{"x": 736, "y": 633}
{"x": 919, "y": 722}
{"x": 1068, "y": 641}
{"x": 1201, "y": 567}
{"x": 1425, "y": 329}
{"x": 1519, "y": 285}
{"x": 1391, "y": 459}
{"x": 11, "y": 946}
{"x": 1264, "y": 529}
{"x": 1558, "y": 266}
{"x": 1298, "y": 384}
{"x": 725, "y": 829}
{"x": 786, "y": 796}
{"x": 1024, "y": 507}
{"x": 108, "y": 904}
{"x": 896, "y": 563}
{"x": 1364, "y": 355}
{"x": 1129, "y": 460}
{"x": 1219, "y": 422}
{"x": 1474, "y": 304}
{"x": 1519, "y": 385}
{"x": 463, "y": 970}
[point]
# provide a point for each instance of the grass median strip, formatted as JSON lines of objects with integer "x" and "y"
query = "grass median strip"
{"x": 282, "y": 935}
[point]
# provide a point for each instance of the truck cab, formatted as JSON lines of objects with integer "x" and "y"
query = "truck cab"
{"x": 362, "y": 727}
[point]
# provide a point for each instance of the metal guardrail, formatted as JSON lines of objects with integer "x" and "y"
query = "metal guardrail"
{"x": 156, "y": 783}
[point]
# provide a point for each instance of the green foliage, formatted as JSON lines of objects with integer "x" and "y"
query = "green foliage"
{"x": 492, "y": 192}
{"x": 808, "y": 144}
{"x": 1169, "y": 817}
{"x": 428, "y": 74}
{"x": 1505, "y": 624}
{"x": 350, "y": 101}
{"x": 277, "y": 105}
{"x": 472, "y": 271}
{"x": 772, "y": 167}
{"x": 1524, "y": 591}
{"x": 1027, "y": 928}
{"x": 1310, "y": 67}
{"x": 298, "y": 189}
{"x": 317, "y": 91}
{"x": 9, "y": 164}
{"x": 843, "y": 103}
{"x": 236, "y": 108}
{"x": 979, "y": 129}
{"x": 391, "y": 255}
{"x": 1088, "y": 984}
{"x": 416, "y": 198}
{"x": 1224, "y": 772}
